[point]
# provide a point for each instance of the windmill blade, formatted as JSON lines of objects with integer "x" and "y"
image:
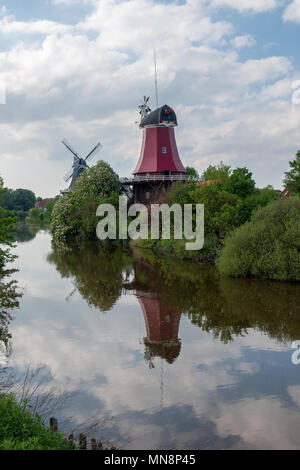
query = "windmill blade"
{"x": 70, "y": 295}
{"x": 95, "y": 150}
{"x": 69, "y": 147}
{"x": 73, "y": 173}
{"x": 68, "y": 175}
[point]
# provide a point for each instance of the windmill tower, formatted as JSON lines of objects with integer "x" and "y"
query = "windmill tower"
{"x": 79, "y": 163}
{"x": 159, "y": 165}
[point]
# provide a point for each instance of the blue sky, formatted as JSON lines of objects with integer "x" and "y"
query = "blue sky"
{"x": 79, "y": 68}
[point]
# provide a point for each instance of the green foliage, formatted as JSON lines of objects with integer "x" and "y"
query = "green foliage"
{"x": 7, "y": 226}
{"x": 292, "y": 177}
{"x": 240, "y": 182}
{"x": 268, "y": 246}
{"x": 19, "y": 430}
{"x": 9, "y": 299}
{"x": 218, "y": 173}
{"x": 19, "y": 200}
{"x": 38, "y": 217}
{"x": 229, "y": 199}
{"x": 95, "y": 272}
{"x": 192, "y": 172}
{"x": 74, "y": 215}
{"x": 41, "y": 217}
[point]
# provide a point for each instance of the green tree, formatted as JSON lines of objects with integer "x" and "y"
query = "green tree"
{"x": 229, "y": 198}
{"x": 241, "y": 183}
{"x": 20, "y": 200}
{"x": 292, "y": 177}
{"x": 192, "y": 172}
{"x": 74, "y": 215}
{"x": 218, "y": 173}
{"x": 23, "y": 200}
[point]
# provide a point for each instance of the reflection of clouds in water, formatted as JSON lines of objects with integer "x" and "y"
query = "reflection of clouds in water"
{"x": 35, "y": 275}
{"x": 262, "y": 424}
{"x": 207, "y": 400}
{"x": 294, "y": 392}
{"x": 84, "y": 345}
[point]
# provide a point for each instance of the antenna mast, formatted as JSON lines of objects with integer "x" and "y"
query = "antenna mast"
{"x": 156, "y": 87}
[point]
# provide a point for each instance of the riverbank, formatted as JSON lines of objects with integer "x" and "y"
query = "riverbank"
{"x": 20, "y": 430}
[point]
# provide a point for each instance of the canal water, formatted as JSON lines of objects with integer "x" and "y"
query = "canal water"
{"x": 157, "y": 354}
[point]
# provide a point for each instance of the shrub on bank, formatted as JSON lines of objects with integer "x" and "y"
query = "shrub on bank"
{"x": 74, "y": 215}
{"x": 266, "y": 247}
{"x": 229, "y": 201}
{"x": 20, "y": 430}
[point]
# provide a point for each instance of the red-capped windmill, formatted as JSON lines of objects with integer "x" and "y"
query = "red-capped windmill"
{"x": 159, "y": 165}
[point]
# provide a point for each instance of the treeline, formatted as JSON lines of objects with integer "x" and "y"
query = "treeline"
{"x": 42, "y": 216}
{"x": 18, "y": 202}
{"x": 21, "y": 203}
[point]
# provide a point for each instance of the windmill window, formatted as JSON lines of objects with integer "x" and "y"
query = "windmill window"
{"x": 164, "y": 150}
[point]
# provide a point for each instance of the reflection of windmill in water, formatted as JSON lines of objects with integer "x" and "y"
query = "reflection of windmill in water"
{"x": 161, "y": 318}
{"x": 162, "y": 325}
{"x": 79, "y": 163}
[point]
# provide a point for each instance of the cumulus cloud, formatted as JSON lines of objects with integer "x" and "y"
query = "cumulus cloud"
{"x": 85, "y": 80}
{"x": 248, "y": 5}
{"x": 292, "y": 12}
{"x": 243, "y": 41}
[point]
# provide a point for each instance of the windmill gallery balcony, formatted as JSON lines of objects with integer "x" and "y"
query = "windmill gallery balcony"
{"x": 157, "y": 178}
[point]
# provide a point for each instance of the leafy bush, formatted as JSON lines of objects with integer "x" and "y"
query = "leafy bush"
{"x": 268, "y": 246}
{"x": 19, "y": 430}
{"x": 74, "y": 215}
{"x": 229, "y": 199}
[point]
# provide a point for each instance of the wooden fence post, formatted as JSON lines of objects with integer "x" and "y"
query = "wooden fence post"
{"x": 53, "y": 424}
{"x": 82, "y": 442}
{"x": 100, "y": 446}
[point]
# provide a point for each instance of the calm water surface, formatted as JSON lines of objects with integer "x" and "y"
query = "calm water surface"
{"x": 175, "y": 356}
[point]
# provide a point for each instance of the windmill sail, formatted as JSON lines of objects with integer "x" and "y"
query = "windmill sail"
{"x": 68, "y": 175}
{"x": 74, "y": 172}
{"x": 94, "y": 152}
{"x": 79, "y": 163}
{"x": 69, "y": 147}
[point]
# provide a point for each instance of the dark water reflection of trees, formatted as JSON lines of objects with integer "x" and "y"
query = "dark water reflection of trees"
{"x": 221, "y": 306}
{"x": 9, "y": 300}
{"x": 26, "y": 233}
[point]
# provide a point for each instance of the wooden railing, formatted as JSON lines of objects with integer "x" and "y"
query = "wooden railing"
{"x": 146, "y": 178}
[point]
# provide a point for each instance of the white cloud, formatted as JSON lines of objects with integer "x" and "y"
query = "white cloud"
{"x": 257, "y": 6}
{"x": 9, "y": 25}
{"x": 85, "y": 80}
{"x": 243, "y": 41}
{"x": 292, "y": 12}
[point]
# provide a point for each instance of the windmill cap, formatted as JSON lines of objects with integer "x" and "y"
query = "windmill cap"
{"x": 163, "y": 116}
